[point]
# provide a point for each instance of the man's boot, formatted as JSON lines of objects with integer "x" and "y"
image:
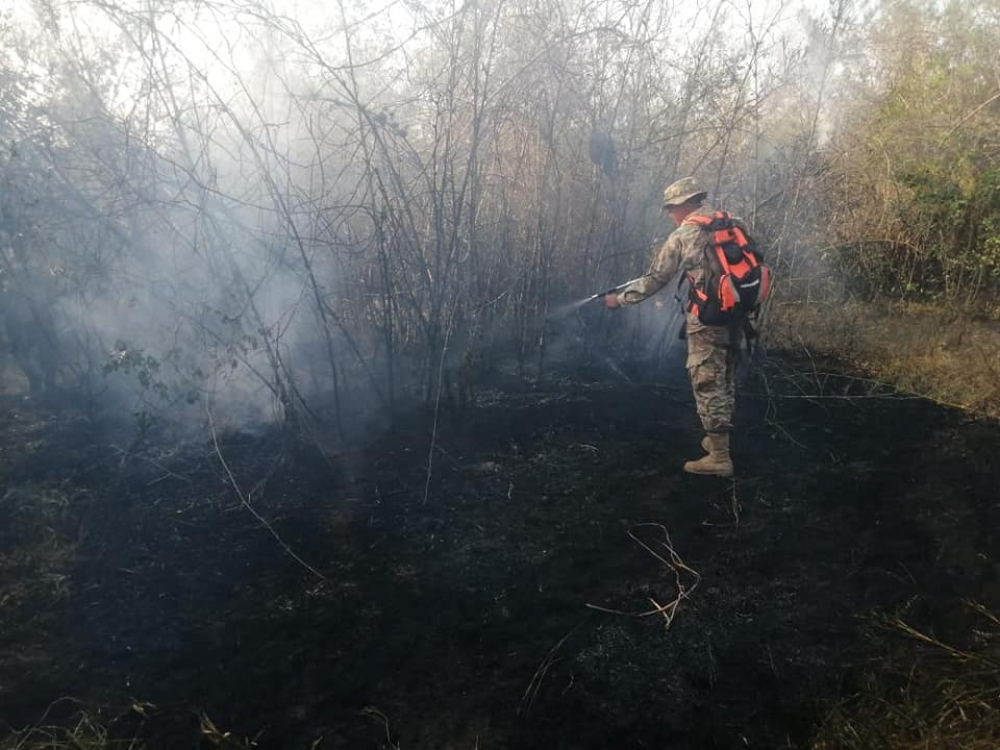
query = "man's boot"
{"x": 718, "y": 462}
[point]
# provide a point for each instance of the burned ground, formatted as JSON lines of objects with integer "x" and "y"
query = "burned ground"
{"x": 467, "y": 611}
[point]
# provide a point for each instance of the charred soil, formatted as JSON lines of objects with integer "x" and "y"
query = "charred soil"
{"x": 493, "y": 602}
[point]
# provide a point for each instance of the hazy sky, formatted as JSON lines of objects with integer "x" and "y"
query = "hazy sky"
{"x": 212, "y": 39}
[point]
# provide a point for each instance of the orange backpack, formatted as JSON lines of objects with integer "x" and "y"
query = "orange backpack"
{"x": 736, "y": 281}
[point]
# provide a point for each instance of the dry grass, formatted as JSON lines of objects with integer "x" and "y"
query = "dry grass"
{"x": 87, "y": 731}
{"x": 943, "y": 698}
{"x": 93, "y": 729}
{"x": 36, "y": 548}
{"x": 942, "y": 355}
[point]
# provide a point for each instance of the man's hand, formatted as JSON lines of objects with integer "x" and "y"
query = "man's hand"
{"x": 611, "y": 301}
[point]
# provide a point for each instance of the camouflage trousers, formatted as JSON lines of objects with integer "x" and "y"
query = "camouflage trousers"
{"x": 711, "y": 365}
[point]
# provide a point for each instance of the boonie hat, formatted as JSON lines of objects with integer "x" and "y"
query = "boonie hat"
{"x": 682, "y": 191}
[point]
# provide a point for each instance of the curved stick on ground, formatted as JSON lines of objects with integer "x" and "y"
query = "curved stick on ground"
{"x": 244, "y": 500}
{"x": 675, "y": 564}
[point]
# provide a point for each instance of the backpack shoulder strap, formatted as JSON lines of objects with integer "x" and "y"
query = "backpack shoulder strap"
{"x": 718, "y": 220}
{"x": 697, "y": 220}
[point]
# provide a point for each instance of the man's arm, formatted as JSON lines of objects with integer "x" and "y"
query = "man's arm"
{"x": 664, "y": 267}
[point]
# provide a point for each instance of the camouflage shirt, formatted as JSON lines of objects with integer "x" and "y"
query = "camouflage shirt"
{"x": 683, "y": 252}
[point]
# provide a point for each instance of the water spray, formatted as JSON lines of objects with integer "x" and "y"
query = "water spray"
{"x": 566, "y": 309}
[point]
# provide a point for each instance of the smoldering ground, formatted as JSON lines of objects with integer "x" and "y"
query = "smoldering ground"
{"x": 180, "y": 603}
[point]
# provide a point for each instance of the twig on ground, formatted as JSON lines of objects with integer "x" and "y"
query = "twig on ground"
{"x": 244, "y": 500}
{"x": 914, "y": 633}
{"x": 891, "y": 391}
{"x": 815, "y": 370}
{"x": 675, "y": 565}
{"x": 215, "y": 736}
{"x": 531, "y": 692}
{"x": 771, "y": 412}
{"x": 981, "y": 609}
{"x": 374, "y": 713}
{"x": 437, "y": 410}
{"x": 849, "y": 399}
{"x": 168, "y": 473}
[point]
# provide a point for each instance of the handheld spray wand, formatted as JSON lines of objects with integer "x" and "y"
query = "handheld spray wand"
{"x": 564, "y": 310}
{"x": 612, "y": 290}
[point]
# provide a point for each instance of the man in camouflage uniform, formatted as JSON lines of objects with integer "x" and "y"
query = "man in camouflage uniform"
{"x": 712, "y": 350}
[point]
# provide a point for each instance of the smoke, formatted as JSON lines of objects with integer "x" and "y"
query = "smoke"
{"x": 266, "y": 212}
{"x": 185, "y": 284}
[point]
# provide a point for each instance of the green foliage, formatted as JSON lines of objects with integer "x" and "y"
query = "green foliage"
{"x": 144, "y": 370}
{"x": 955, "y": 222}
{"x": 135, "y": 363}
{"x": 917, "y": 167}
